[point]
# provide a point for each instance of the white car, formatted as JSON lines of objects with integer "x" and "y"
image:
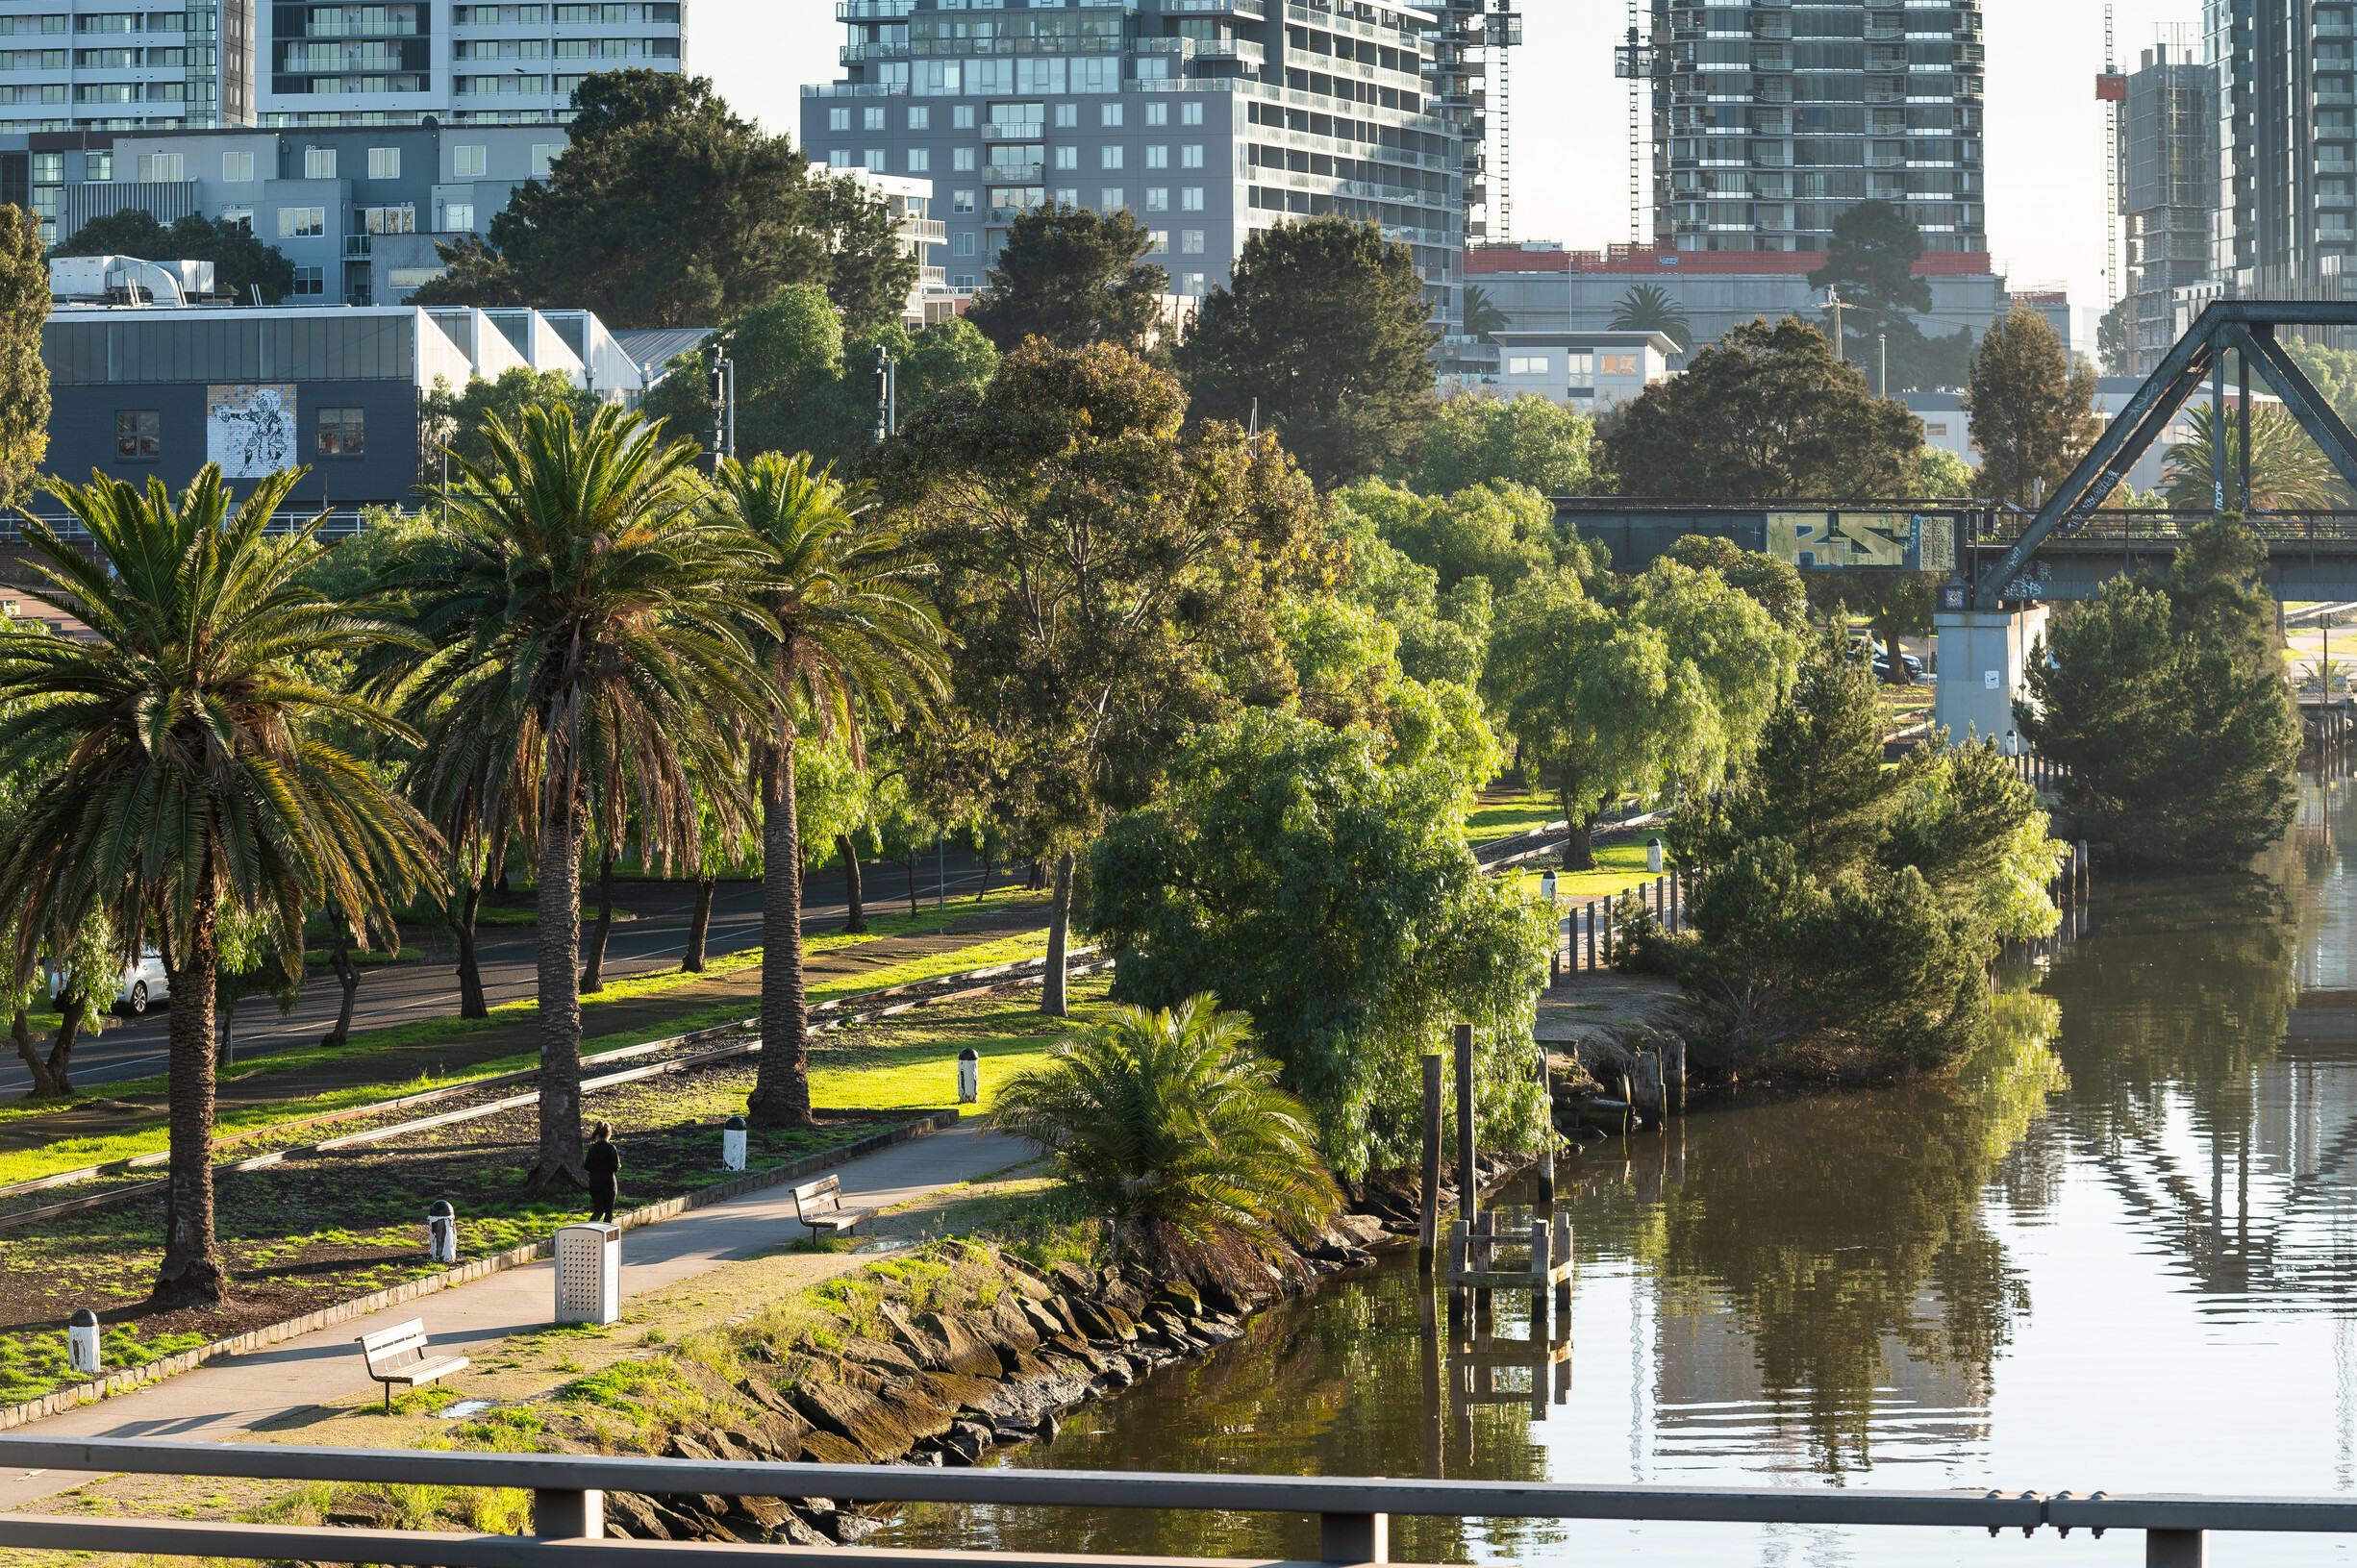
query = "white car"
{"x": 142, "y": 983}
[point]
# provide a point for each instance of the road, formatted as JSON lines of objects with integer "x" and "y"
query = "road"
{"x": 401, "y": 993}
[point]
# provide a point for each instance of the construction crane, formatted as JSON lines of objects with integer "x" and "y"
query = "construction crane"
{"x": 1632, "y": 61}
{"x": 2112, "y": 87}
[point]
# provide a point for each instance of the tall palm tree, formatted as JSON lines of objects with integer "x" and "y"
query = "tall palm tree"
{"x": 845, "y": 635}
{"x": 1482, "y": 316}
{"x": 1648, "y": 308}
{"x": 584, "y": 647}
{"x": 2288, "y": 471}
{"x": 1175, "y": 1124}
{"x": 198, "y": 782}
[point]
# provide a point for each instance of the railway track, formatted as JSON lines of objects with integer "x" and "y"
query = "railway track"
{"x": 679, "y": 1053}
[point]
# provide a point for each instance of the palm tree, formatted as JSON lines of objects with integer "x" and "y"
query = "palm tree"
{"x": 1482, "y": 316}
{"x": 1175, "y": 1125}
{"x": 1648, "y": 308}
{"x": 844, "y": 633}
{"x": 583, "y": 649}
{"x": 2287, "y": 472}
{"x": 197, "y": 783}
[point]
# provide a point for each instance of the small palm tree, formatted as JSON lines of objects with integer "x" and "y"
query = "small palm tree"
{"x": 583, "y": 652}
{"x": 2287, "y": 472}
{"x": 1482, "y": 316}
{"x": 198, "y": 784}
{"x": 843, "y": 634}
{"x": 1175, "y": 1124}
{"x": 1648, "y": 308}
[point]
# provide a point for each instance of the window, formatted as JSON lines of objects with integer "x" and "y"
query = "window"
{"x": 1158, "y": 198}
{"x": 1192, "y": 283}
{"x": 1618, "y": 365}
{"x": 1932, "y": 429}
{"x": 101, "y": 165}
{"x": 236, "y": 169}
{"x": 384, "y": 162}
{"x": 161, "y": 169}
{"x": 1067, "y": 157}
{"x": 242, "y": 216}
{"x": 469, "y": 162}
{"x": 310, "y": 280}
{"x": 301, "y": 222}
{"x": 961, "y": 117}
{"x": 1157, "y": 158}
{"x": 1068, "y": 196}
{"x": 385, "y": 220}
{"x": 839, "y": 119}
{"x": 1190, "y": 157}
{"x": 1190, "y": 240}
{"x": 961, "y": 201}
{"x": 1110, "y": 198}
{"x": 1526, "y": 364}
{"x": 458, "y": 217}
{"x": 962, "y": 159}
{"x": 1191, "y": 113}
{"x": 920, "y": 119}
{"x": 1158, "y": 240}
{"x": 1111, "y": 115}
{"x": 871, "y": 119}
{"x": 543, "y": 154}
{"x": 1158, "y": 114}
{"x": 1109, "y": 157}
{"x": 875, "y": 160}
{"x": 1583, "y": 366}
{"x": 318, "y": 162}
{"x": 341, "y": 432}
{"x": 920, "y": 160}
{"x": 964, "y": 244}
{"x": 1190, "y": 199}
{"x": 840, "y": 157}
{"x": 1067, "y": 116}
{"x": 137, "y": 435}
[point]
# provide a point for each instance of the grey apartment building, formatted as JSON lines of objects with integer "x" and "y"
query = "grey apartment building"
{"x": 2168, "y": 151}
{"x": 1770, "y": 118}
{"x": 1207, "y": 118}
{"x": 2283, "y": 203}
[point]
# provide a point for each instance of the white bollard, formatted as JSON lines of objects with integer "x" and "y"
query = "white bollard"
{"x": 443, "y": 1233}
{"x": 82, "y": 1342}
{"x": 969, "y": 1076}
{"x": 732, "y": 1144}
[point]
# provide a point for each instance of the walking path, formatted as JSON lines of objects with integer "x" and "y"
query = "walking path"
{"x": 226, "y": 1398}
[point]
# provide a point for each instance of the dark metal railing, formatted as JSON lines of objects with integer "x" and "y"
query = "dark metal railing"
{"x": 342, "y": 522}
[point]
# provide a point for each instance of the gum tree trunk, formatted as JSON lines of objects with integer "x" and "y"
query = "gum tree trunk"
{"x": 700, "y": 925}
{"x": 782, "y": 1092}
{"x": 347, "y": 976}
{"x": 593, "y": 973}
{"x": 191, "y": 1275}
{"x": 49, "y": 1073}
{"x": 858, "y": 922}
{"x": 472, "y": 1003}
{"x": 1059, "y": 934}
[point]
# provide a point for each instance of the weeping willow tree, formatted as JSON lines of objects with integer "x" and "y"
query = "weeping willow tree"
{"x": 2287, "y": 472}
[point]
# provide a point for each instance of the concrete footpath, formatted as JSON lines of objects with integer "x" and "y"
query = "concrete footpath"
{"x": 234, "y": 1395}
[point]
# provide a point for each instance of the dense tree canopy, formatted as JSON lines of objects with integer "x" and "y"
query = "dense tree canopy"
{"x": 24, "y": 375}
{"x": 2032, "y": 410}
{"x": 667, "y": 209}
{"x": 1500, "y": 531}
{"x": 1325, "y": 328}
{"x": 1769, "y": 412}
{"x": 1530, "y": 441}
{"x": 1074, "y": 276}
{"x": 241, "y": 263}
{"x": 459, "y": 418}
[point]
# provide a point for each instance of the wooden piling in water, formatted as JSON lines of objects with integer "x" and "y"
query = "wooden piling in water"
{"x": 1467, "y": 1180}
{"x": 1428, "y": 1228}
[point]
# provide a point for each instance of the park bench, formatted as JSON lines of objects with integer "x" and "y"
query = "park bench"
{"x": 398, "y": 1354}
{"x": 819, "y": 1205}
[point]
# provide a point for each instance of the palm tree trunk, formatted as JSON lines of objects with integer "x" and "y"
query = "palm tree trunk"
{"x": 1059, "y": 934}
{"x": 347, "y": 976}
{"x": 700, "y": 925}
{"x": 191, "y": 1275}
{"x": 858, "y": 922}
{"x": 593, "y": 973}
{"x": 557, "y": 940}
{"x": 782, "y": 1092}
{"x": 472, "y": 1003}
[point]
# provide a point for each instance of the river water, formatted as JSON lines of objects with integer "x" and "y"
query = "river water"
{"x": 2118, "y": 1251}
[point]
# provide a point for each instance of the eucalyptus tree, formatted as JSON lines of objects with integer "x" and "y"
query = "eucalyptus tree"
{"x": 581, "y": 643}
{"x": 842, "y": 632}
{"x": 197, "y": 780}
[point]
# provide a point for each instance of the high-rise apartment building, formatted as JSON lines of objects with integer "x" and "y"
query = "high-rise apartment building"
{"x": 2169, "y": 157}
{"x": 2283, "y": 203}
{"x": 1770, "y": 118}
{"x": 161, "y": 65}
{"x": 1206, "y": 118}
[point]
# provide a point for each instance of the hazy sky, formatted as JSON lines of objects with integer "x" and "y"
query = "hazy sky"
{"x": 1570, "y": 118}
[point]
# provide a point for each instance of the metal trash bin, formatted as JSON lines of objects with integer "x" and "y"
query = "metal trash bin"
{"x": 82, "y": 1342}
{"x": 732, "y": 1144}
{"x": 442, "y": 1232}
{"x": 589, "y": 1273}
{"x": 969, "y": 1076}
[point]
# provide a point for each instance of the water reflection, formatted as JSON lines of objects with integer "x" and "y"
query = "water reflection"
{"x": 2119, "y": 1251}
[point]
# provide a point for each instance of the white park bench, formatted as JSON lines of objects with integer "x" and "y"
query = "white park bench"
{"x": 398, "y": 1355}
{"x": 819, "y": 1205}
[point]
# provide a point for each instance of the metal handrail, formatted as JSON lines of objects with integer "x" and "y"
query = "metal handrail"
{"x": 1353, "y": 1510}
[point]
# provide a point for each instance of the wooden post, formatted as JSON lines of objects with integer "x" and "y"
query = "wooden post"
{"x": 1428, "y": 1232}
{"x": 1674, "y": 1088}
{"x": 1467, "y": 1179}
{"x": 1677, "y": 906}
{"x": 1592, "y": 933}
{"x": 1482, "y": 1258}
{"x": 1546, "y": 1139}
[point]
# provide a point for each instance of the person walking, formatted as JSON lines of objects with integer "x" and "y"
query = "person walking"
{"x": 603, "y": 1162}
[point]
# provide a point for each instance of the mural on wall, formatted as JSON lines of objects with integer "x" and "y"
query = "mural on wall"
{"x": 250, "y": 431}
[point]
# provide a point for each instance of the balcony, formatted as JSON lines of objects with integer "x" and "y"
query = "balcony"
{"x": 1013, "y": 131}
{"x": 871, "y": 11}
{"x": 1017, "y": 174}
{"x": 851, "y": 54}
{"x": 933, "y": 277}
{"x": 926, "y": 230}
{"x": 1249, "y": 11}
{"x": 358, "y": 244}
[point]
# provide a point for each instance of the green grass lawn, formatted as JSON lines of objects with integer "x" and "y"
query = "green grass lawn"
{"x": 1618, "y": 868}
{"x": 1495, "y": 818}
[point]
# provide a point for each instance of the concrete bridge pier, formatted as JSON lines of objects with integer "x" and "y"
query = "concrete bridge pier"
{"x": 1981, "y": 652}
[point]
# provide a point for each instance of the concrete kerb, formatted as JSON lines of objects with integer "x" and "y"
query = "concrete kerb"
{"x": 253, "y": 1339}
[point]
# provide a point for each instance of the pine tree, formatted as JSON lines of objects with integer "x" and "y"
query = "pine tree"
{"x": 2032, "y": 408}
{"x": 1074, "y": 277}
{"x": 24, "y": 379}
